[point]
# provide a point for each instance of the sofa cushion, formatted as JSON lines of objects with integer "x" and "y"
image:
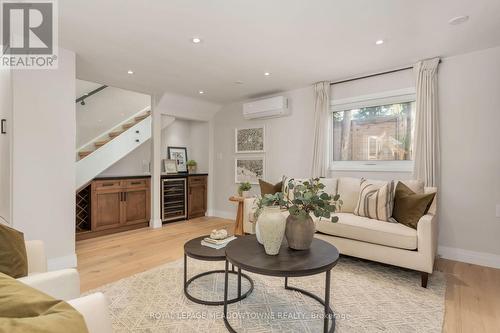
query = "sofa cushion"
{"x": 348, "y": 189}
{"x": 330, "y": 185}
{"x": 13, "y": 257}
{"x": 24, "y": 309}
{"x": 368, "y": 230}
{"x": 409, "y": 206}
{"x": 375, "y": 201}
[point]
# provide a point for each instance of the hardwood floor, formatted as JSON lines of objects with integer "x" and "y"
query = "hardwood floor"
{"x": 472, "y": 295}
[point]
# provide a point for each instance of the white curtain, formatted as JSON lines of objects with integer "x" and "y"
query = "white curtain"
{"x": 426, "y": 144}
{"x": 321, "y": 103}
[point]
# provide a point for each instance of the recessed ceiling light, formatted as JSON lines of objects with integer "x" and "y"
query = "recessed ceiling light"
{"x": 238, "y": 82}
{"x": 196, "y": 40}
{"x": 130, "y": 72}
{"x": 201, "y": 92}
{"x": 267, "y": 73}
{"x": 458, "y": 20}
{"x": 379, "y": 42}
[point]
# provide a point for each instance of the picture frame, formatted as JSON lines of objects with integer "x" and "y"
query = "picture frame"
{"x": 250, "y": 139}
{"x": 178, "y": 154}
{"x": 170, "y": 166}
{"x": 249, "y": 169}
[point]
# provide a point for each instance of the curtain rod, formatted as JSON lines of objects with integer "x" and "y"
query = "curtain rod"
{"x": 374, "y": 74}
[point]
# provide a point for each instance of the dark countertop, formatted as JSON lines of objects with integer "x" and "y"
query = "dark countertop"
{"x": 174, "y": 175}
{"x": 122, "y": 177}
{"x": 183, "y": 175}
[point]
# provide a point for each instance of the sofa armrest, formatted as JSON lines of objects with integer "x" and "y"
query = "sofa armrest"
{"x": 427, "y": 237}
{"x": 37, "y": 261}
{"x": 95, "y": 311}
{"x": 63, "y": 284}
{"x": 248, "y": 211}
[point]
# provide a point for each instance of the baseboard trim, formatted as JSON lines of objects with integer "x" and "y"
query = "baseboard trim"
{"x": 471, "y": 257}
{"x": 62, "y": 262}
{"x": 224, "y": 214}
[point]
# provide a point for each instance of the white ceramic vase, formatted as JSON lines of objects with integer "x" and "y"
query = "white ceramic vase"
{"x": 245, "y": 194}
{"x": 271, "y": 227}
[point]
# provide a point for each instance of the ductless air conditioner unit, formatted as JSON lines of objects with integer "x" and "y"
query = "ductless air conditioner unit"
{"x": 266, "y": 108}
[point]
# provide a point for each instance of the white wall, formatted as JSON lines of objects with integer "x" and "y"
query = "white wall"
{"x": 288, "y": 142}
{"x": 181, "y": 133}
{"x": 105, "y": 110}
{"x": 43, "y": 175}
{"x": 469, "y": 96}
{"x": 5, "y": 145}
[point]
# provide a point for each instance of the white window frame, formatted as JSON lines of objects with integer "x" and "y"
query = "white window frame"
{"x": 384, "y": 98}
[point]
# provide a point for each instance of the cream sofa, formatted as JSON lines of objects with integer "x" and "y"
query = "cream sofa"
{"x": 385, "y": 242}
{"x": 65, "y": 285}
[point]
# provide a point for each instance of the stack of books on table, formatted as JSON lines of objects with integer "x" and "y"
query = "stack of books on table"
{"x": 217, "y": 243}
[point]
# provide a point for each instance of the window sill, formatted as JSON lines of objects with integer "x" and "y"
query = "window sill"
{"x": 378, "y": 166}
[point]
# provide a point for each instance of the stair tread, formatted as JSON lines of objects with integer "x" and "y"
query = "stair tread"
{"x": 101, "y": 142}
{"x": 142, "y": 117}
{"x": 115, "y": 133}
{"x": 128, "y": 125}
{"x": 84, "y": 153}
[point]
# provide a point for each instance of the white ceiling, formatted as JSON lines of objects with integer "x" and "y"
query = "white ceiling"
{"x": 298, "y": 41}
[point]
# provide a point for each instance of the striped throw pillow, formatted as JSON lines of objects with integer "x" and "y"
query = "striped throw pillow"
{"x": 375, "y": 200}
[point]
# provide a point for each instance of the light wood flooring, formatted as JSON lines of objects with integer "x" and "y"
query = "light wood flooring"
{"x": 472, "y": 294}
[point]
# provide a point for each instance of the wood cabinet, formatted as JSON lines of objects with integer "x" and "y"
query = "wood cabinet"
{"x": 183, "y": 196}
{"x": 197, "y": 196}
{"x": 118, "y": 205}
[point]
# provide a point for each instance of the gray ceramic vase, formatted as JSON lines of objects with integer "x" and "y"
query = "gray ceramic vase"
{"x": 299, "y": 232}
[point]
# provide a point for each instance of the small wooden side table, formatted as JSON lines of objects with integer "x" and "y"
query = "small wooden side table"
{"x": 238, "y": 227}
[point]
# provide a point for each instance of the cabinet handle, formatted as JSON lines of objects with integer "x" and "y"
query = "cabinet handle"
{"x": 3, "y": 131}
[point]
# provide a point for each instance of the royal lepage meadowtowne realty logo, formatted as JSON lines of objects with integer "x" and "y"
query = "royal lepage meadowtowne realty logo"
{"x": 29, "y": 34}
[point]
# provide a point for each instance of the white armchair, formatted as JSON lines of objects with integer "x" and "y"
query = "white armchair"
{"x": 64, "y": 284}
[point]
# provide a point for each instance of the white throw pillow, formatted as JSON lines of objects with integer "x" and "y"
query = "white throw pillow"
{"x": 375, "y": 200}
{"x": 348, "y": 189}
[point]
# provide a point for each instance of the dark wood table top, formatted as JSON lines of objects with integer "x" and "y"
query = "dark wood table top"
{"x": 194, "y": 249}
{"x": 246, "y": 253}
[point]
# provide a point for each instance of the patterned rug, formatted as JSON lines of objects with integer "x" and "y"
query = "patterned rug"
{"x": 365, "y": 296}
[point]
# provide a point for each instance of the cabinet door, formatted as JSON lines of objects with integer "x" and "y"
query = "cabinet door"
{"x": 106, "y": 209}
{"x": 197, "y": 202}
{"x": 137, "y": 208}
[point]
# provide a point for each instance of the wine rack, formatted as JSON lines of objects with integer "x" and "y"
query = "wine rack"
{"x": 174, "y": 199}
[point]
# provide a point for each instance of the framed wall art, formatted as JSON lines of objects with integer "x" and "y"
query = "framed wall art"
{"x": 249, "y": 169}
{"x": 250, "y": 140}
{"x": 180, "y": 155}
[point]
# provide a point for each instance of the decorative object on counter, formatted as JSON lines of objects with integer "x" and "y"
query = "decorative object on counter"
{"x": 270, "y": 225}
{"x": 249, "y": 169}
{"x": 180, "y": 155}
{"x": 170, "y": 166}
{"x": 191, "y": 165}
{"x": 244, "y": 189}
{"x": 249, "y": 140}
{"x": 219, "y": 234}
{"x": 308, "y": 197}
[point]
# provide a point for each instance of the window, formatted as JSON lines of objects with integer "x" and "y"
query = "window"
{"x": 373, "y": 133}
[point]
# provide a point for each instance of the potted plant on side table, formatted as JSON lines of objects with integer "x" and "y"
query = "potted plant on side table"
{"x": 308, "y": 197}
{"x": 191, "y": 165}
{"x": 244, "y": 188}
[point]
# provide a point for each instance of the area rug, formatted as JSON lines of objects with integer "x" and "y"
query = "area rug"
{"x": 365, "y": 296}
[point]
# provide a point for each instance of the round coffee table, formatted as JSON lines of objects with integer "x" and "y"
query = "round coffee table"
{"x": 247, "y": 254}
{"x": 195, "y": 250}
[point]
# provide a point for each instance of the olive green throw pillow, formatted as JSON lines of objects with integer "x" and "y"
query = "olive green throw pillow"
{"x": 13, "y": 258}
{"x": 409, "y": 206}
{"x": 24, "y": 309}
{"x": 268, "y": 188}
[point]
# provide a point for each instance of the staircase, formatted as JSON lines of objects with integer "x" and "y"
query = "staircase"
{"x": 100, "y": 153}
{"x": 113, "y": 134}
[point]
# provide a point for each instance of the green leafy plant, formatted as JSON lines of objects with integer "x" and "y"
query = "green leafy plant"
{"x": 191, "y": 163}
{"x": 268, "y": 200}
{"x": 245, "y": 186}
{"x": 309, "y": 197}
